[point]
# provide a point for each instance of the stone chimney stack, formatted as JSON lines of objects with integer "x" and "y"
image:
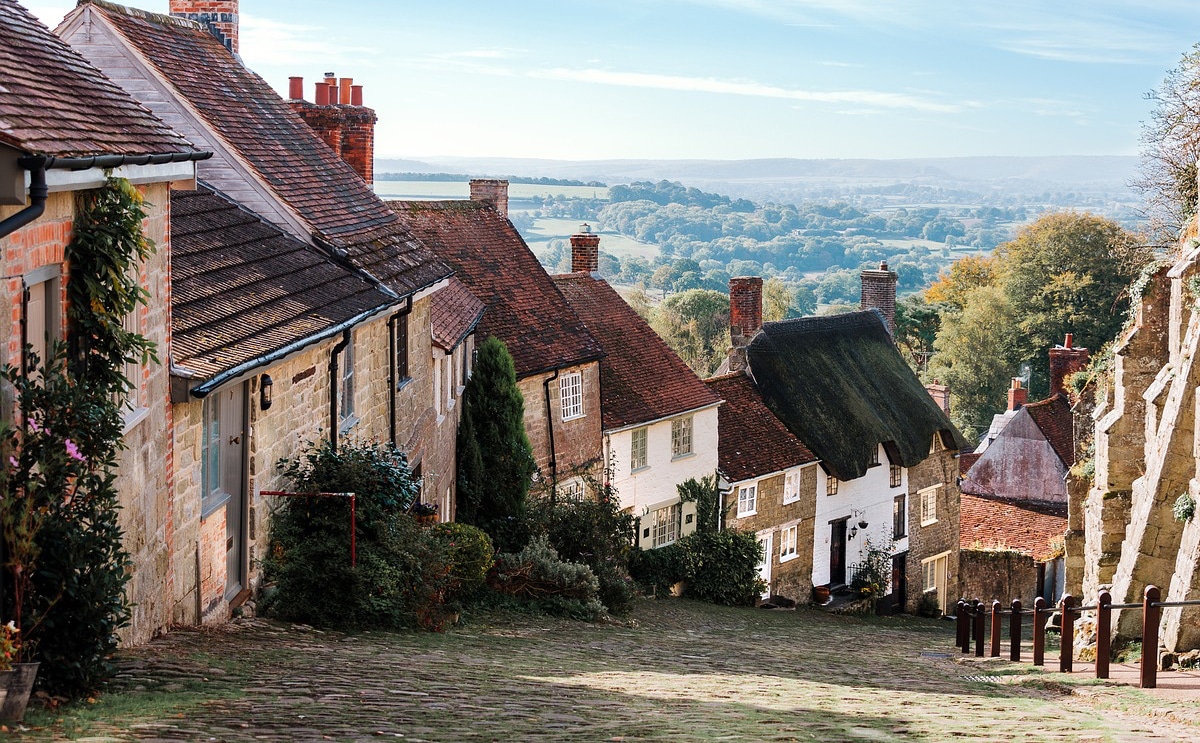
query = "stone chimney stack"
{"x": 940, "y": 394}
{"x": 221, "y": 16}
{"x": 879, "y": 293}
{"x": 339, "y": 117}
{"x": 745, "y": 317}
{"x": 1065, "y": 360}
{"x": 585, "y": 251}
{"x": 492, "y": 192}
{"x": 1017, "y": 395}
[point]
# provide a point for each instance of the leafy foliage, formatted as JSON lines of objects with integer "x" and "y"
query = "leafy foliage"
{"x": 1184, "y": 508}
{"x": 722, "y": 567}
{"x": 471, "y": 556}
{"x": 1171, "y": 148}
{"x": 706, "y": 494}
{"x": 538, "y": 576}
{"x": 495, "y": 458}
{"x": 695, "y": 324}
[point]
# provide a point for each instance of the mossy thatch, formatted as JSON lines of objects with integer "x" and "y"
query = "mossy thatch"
{"x": 839, "y": 384}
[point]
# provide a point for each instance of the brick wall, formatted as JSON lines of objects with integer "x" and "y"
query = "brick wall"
{"x": 34, "y": 246}
{"x": 220, "y": 14}
{"x": 879, "y": 292}
{"x": 585, "y": 253}
{"x": 793, "y": 578}
{"x": 1065, "y": 361}
{"x": 491, "y": 191}
{"x": 577, "y": 443}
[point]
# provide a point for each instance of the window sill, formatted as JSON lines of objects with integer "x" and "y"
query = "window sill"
{"x": 209, "y": 507}
{"x": 403, "y": 383}
{"x": 135, "y": 417}
{"x": 569, "y": 418}
{"x": 346, "y": 424}
{"x": 636, "y": 470}
{"x": 928, "y": 523}
{"x": 788, "y": 558}
{"x": 789, "y": 501}
{"x": 677, "y": 457}
{"x": 742, "y": 515}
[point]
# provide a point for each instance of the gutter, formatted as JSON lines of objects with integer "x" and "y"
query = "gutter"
{"x": 37, "y": 165}
{"x": 550, "y": 432}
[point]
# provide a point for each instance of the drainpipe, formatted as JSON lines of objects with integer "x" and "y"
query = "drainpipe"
{"x": 333, "y": 387}
{"x": 392, "y": 362}
{"x": 38, "y": 194}
{"x": 550, "y": 431}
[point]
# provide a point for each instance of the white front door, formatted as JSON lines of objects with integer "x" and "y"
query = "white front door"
{"x": 764, "y": 567}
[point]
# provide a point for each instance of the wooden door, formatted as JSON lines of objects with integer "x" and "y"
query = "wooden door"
{"x": 900, "y": 581}
{"x": 231, "y": 411}
{"x": 837, "y": 553}
{"x": 764, "y": 567}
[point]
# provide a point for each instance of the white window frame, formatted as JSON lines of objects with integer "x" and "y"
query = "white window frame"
{"x": 639, "y": 449}
{"x": 210, "y": 456}
{"x": 572, "y": 490}
{"x": 900, "y": 509}
{"x": 832, "y": 484}
{"x": 664, "y": 525}
{"x": 787, "y": 543}
{"x": 747, "y": 500}
{"x": 681, "y": 438}
{"x": 47, "y": 283}
{"x": 929, "y": 499}
{"x": 895, "y": 476}
{"x": 570, "y": 395}
{"x": 791, "y": 487}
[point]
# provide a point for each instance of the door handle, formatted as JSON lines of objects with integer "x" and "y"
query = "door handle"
{"x": 235, "y": 440}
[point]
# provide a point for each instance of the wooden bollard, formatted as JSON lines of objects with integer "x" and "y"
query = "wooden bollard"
{"x": 960, "y": 620}
{"x": 1150, "y": 616}
{"x": 995, "y": 629}
{"x": 1103, "y": 633}
{"x": 1014, "y": 632}
{"x": 1039, "y": 631}
{"x": 979, "y": 611}
{"x": 1066, "y": 647}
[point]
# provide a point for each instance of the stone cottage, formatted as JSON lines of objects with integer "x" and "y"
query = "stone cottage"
{"x": 64, "y": 128}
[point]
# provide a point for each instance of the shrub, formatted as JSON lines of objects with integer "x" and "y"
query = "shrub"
{"x": 722, "y": 567}
{"x": 537, "y": 575}
{"x": 401, "y": 578}
{"x": 470, "y": 555}
{"x": 1184, "y": 508}
{"x": 928, "y": 606}
{"x": 657, "y": 570}
{"x": 597, "y": 534}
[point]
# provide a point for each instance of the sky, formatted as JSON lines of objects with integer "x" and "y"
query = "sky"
{"x": 728, "y": 79}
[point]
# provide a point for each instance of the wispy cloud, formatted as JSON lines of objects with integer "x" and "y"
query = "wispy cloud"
{"x": 747, "y": 88}
{"x": 485, "y": 54}
{"x": 269, "y": 42}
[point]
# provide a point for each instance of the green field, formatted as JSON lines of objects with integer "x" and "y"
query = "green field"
{"x": 431, "y": 190}
{"x": 546, "y": 229}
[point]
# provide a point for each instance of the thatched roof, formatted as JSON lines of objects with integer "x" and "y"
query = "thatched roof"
{"x": 839, "y": 384}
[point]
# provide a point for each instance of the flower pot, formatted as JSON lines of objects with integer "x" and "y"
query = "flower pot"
{"x": 19, "y": 687}
{"x": 820, "y": 595}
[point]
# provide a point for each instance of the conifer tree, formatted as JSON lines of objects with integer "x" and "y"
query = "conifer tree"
{"x": 495, "y": 459}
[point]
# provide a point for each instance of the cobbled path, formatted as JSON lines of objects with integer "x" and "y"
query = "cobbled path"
{"x": 679, "y": 671}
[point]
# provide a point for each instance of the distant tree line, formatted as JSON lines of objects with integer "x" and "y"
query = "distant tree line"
{"x": 464, "y": 178}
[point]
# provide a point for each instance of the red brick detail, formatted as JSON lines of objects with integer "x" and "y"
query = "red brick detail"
{"x": 745, "y": 306}
{"x": 879, "y": 293}
{"x": 348, "y": 130}
{"x": 1065, "y": 361}
{"x": 1017, "y": 395}
{"x": 219, "y": 15}
{"x": 585, "y": 252}
{"x": 491, "y": 192}
{"x": 940, "y": 394}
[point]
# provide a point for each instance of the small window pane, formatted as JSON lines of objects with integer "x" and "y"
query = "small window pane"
{"x": 664, "y": 525}
{"x": 681, "y": 437}
{"x": 900, "y": 517}
{"x": 570, "y": 391}
{"x": 747, "y": 500}
{"x": 787, "y": 543}
{"x": 638, "y": 455}
{"x": 791, "y": 487}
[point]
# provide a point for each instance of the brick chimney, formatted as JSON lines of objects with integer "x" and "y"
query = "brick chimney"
{"x": 339, "y": 117}
{"x": 494, "y": 193}
{"x": 879, "y": 293}
{"x": 1017, "y": 395}
{"x": 745, "y": 317}
{"x": 221, "y": 16}
{"x": 1065, "y": 360}
{"x": 940, "y": 394}
{"x": 585, "y": 250}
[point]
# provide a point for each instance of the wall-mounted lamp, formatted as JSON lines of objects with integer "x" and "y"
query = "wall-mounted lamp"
{"x": 853, "y": 531}
{"x": 265, "y": 388}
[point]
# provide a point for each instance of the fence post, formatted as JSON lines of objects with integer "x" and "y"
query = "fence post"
{"x": 1103, "y": 633}
{"x": 978, "y": 628}
{"x": 1014, "y": 632}
{"x": 1150, "y": 614}
{"x": 960, "y": 617}
{"x": 1066, "y": 647}
{"x": 995, "y": 629}
{"x": 1039, "y": 631}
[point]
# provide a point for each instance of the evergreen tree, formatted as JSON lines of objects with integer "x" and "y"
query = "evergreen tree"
{"x": 495, "y": 460}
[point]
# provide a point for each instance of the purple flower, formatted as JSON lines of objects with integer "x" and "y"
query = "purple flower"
{"x": 13, "y": 461}
{"x": 73, "y": 451}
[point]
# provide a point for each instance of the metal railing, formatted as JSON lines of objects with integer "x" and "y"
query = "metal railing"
{"x": 971, "y": 618}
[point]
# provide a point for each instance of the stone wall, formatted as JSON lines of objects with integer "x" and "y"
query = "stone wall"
{"x": 940, "y": 468}
{"x": 791, "y": 578}
{"x": 998, "y": 575}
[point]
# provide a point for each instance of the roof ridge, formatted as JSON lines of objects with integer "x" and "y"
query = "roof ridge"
{"x": 160, "y": 18}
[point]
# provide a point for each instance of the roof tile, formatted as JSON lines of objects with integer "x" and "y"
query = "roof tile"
{"x": 1032, "y": 529}
{"x": 641, "y": 378}
{"x": 1053, "y": 416}
{"x": 454, "y": 314}
{"x": 753, "y": 442}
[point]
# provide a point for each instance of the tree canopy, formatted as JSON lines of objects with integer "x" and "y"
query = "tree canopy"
{"x": 1170, "y": 147}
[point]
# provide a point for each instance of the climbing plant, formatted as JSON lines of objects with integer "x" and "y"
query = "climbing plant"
{"x": 67, "y": 554}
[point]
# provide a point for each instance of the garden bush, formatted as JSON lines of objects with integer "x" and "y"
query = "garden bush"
{"x": 539, "y": 577}
{"x": 657, "y": 570}
{"x": 470, "y": 555}
{"x": 722, "y": 567}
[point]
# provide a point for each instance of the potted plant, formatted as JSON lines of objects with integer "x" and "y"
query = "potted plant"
{"x": 16, "y": 679}
{"x": 425, "y": 513}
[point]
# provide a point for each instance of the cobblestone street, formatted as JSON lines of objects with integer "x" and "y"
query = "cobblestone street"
{"x": 680, "y": 671}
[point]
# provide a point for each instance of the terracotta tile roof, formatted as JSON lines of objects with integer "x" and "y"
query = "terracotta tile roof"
{"x": 1035, "y": 530}
{"x": 641, "y": 378}
{"x": 1054, "y": 417}
{"x": 242, "y": 288}
{"x": 966, "y": 460}
{"x": 753, "y": 442}
{"x": 524, "y": 308}
{"x": 245, "y": 112}
{"x": 54, "y": 102}
{"x": 454, "y": 313}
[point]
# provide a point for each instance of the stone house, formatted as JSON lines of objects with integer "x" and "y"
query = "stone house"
{"x": 768, "y": 485}
{"x": 1124, "y": 533}
{"x": 888, "y": 472}
{"x": 374, "y": 373}
{"x": 557, "y": 360}
{"x": 64, "y": 128}
{"x": 659, "y": 419}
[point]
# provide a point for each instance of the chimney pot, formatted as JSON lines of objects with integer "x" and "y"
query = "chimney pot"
{"x": 492, "y": 192}
{"x": 344, "y": 97}
{"x": 296, "y": 88}
{"x": 322, "y": 95}
{"x": 356, "y": 96}
{"x": 1069, "y": 339}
